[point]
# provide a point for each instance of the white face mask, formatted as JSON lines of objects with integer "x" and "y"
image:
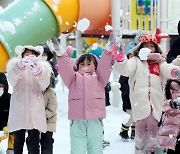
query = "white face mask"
{"x": 1, "y": 91}
{"x": 44, "y": 58}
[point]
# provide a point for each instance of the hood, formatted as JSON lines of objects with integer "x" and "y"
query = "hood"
{"x": 3, "y": 80}
{"x": 20, "y": 49}
{"x": 48, "y": 51}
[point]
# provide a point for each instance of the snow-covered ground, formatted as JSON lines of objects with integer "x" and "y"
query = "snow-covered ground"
{"x": 112, "y": 125}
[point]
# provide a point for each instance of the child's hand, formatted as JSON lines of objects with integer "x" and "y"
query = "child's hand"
{"x": 35, "y": 68}
{"x": 118, "y": 52}
{"x": 175, "y": 104}
{"x": 55, "y": 46}
{"x": 23, "y": 62}
{"x": 175, "y": 73}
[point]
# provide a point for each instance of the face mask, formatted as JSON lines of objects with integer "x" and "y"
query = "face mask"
{"x": 44, "y": 58}
{"x": 89, "y": 69}
{"x": 1, "y": 91}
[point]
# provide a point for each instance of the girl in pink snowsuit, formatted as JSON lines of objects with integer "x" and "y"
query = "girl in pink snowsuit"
{"x": 170, "y": 127}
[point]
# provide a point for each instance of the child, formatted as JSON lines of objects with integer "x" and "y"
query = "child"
{"x": 123, "y": 80}
{"x": 86, "y": 98}
{"x": 4, "y": 109}
{"x": 146, "y": 72}
{"x": 29, "y": 77}
{"x": 50, "y": 101}
{"x": 169, "y": 131}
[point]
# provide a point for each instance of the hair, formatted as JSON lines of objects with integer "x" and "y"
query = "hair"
{"x": 168, "y": 88}
{"x": 34, "y": 52}
{"x": 89, "y": 58}
{"x": 136, "y": 53}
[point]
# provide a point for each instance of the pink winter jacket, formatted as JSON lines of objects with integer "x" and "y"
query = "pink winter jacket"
{"x": 86, "y": 90}
{"x": 170, "y": 128}
{"x": 27, "y": 110}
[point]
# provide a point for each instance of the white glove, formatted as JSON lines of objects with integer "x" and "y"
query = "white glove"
{"x": 115, "y": 86}
{"x": 55, "y": 46}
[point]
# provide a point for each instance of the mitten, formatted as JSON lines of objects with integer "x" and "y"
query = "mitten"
{"x": 175, "y": 73}
{"x": 55, "y": 46}
{"x": 143, "y": 53}
{"x": 115, "y": 85}
{"x": 118, "y": 51}
{"x": 69, "y": 50}
{"x": 23, "y": 63}
{"x": 35, "y": 68}
{"x": 175, "y": 104}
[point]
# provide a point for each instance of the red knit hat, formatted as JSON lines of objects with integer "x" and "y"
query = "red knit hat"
{"x": 148, "y": 38}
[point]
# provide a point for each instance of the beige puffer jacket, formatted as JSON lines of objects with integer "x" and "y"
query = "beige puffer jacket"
{"x": 50, "y": 101}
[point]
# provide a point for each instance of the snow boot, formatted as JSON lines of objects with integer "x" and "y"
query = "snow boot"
{"x": 132, "y": 132}
{"x": 124, "y": 133}
{"x": 105, "y": 143}
{"x": 9, "y": 151}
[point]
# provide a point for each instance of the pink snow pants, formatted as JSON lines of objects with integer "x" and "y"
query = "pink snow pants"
{"x": 146, "y": 134}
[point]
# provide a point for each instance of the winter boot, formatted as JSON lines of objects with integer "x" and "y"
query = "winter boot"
{"x": 10, "y": 151}
{"x": 124, "y": 133}
{"x": 105, "y": 143}
{"x": 132, "y": 132}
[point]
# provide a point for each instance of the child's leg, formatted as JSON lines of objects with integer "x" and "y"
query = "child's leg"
{"x": 47, "y": 143}
{"x": 19, "y": 139}
{"x": 140, "y": 136}
{"x": 78, "y": 135}
{"x": 95, "y": 136}
{"x": 152, "y": 130}
{"x": 33, "y": 141}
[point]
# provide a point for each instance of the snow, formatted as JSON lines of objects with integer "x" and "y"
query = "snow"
{"x": 112, "y": 125}
{"x": 83, "y": 24}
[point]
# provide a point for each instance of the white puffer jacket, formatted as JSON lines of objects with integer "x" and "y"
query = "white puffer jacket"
{"x": 146, "y": 88}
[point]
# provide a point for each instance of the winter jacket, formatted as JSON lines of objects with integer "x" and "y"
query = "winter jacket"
{"x": 86, "y": 90}
{"x": 145, "y": 81}
{"x": 123, "y": 80}
{"x": 50, "y": 101}
{"x": 4, "y": 101}
{"x": 27, "y": 110}
{"x": 170, "y": 128}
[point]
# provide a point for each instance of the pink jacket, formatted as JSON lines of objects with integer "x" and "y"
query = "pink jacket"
{"x": 27, "y": 110}
{"x": 170, "y": 128}
{"x": 86, "y": 90}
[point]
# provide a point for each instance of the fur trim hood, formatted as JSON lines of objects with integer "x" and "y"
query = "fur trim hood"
{"x": 20, "y": 49}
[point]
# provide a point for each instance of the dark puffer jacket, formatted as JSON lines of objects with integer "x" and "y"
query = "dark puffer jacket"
{"x": 175, "y": 48}
{"x": 4, "y": 102}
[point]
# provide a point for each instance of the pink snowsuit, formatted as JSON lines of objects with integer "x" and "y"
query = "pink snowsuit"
{"x": 170, "y": 128}
{"x": 86, "y": 90}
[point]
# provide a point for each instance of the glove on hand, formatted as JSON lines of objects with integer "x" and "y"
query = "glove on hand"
{"x": 175, "y": 104}
{"x": 118, "y": 52}
{"x": 157, "y": 57}
{"x": 35, "y": 68}
{"x": 5, "y": 129}
{"x": 55, "y": 46}
{"x": 175, "y": 73}
{"x": 69, "y": 50}
{"x": 26, "y": 61}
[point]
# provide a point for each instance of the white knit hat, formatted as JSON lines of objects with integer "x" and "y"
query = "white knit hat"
{"x": 20, "y": 49}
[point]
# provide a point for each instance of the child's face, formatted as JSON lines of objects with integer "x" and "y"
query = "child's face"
{"x": 27, "y": 53}
{"x": 83, "y": 66}
{"x": 150, "y": 45}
